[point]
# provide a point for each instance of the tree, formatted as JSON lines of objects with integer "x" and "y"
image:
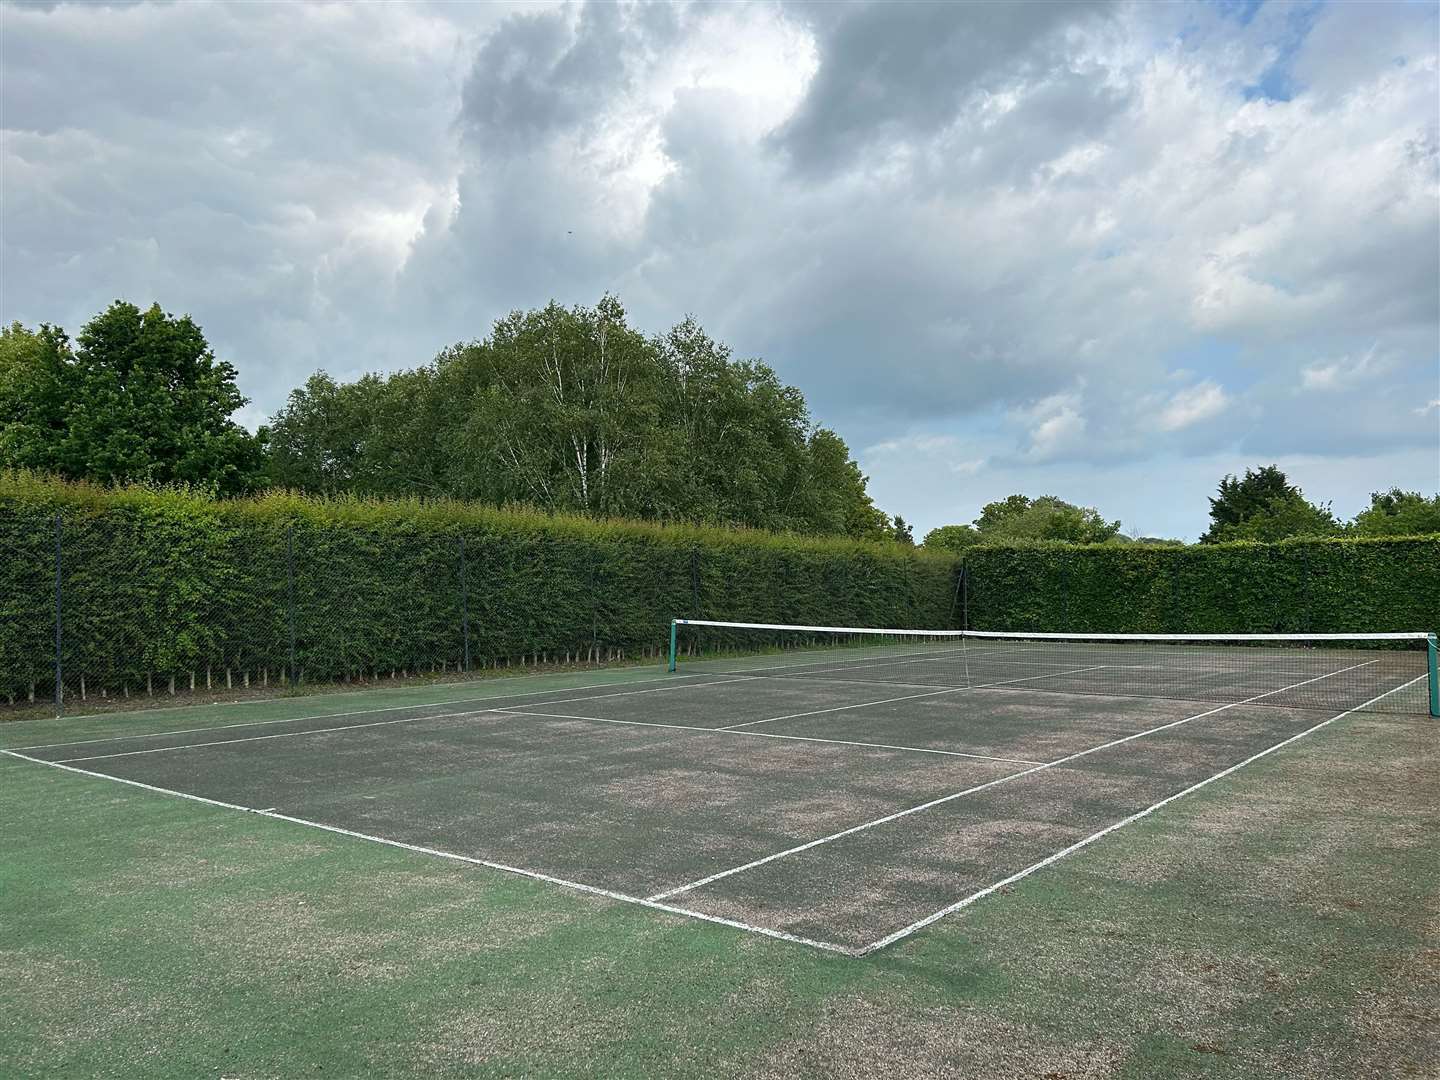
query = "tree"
{"x": 1280, "y": 519}
{"x": 1240, "y": 499}
{"x": 952, "y": 537}
{"x": 32, "y": 393}
{"x": 1398, "y": 513}
{"x": 1049, "y": 517}
{"x": 902, "y": 532}
{"x": 1265, "y": 506}
{"x": 141, "y": 397}
{"x": 572, "y": 409}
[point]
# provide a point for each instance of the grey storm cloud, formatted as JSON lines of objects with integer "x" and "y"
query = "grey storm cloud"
{"x": 904, "y": 71}
{"x": 999, "y": 247}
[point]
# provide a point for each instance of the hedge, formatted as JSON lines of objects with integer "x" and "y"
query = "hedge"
{"x": 1317, "y": 586}
{"x": 165, "y": 590}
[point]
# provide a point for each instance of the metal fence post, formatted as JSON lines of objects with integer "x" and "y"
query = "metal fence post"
{"x": 464, "y": 607}
{"x": 59, "y": 662}
{"x": 290, "y": 590}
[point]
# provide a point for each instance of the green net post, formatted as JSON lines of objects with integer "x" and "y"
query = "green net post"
{"x": 1431, "y": 648}
{"x": 674, "y": 624}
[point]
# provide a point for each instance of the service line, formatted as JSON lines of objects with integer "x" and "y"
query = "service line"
{"x": 719, "y": 875}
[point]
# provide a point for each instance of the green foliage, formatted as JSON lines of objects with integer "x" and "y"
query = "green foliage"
{"x": 571, "y": 410}
{"x": 902, "y": 532}
{"x": 1283, "y": 517}
{"x": 952, "y": 538}
{"x": 1398, "y": 513}
{"x": 1265, "y": 506}
{"x": 142, "y": 398}
{"x": 1338, "y": 585}
{"x": 162, "y": 583}
{"x": 1019, "y": 517}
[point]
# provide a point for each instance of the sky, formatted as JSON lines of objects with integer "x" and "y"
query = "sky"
{"x": 1107, "y": 252}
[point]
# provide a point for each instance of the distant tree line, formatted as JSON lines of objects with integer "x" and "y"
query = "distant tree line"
{"x": 1262, "y": 505}
{"x": 562, "y": 409}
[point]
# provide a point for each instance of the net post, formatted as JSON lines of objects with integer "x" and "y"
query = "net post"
{"x": 674, "y": 624}
{"x": 1434, "y": 659}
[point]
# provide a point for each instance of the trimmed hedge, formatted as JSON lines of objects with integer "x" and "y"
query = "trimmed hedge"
{"x": 165, "y": 589}
{"x": 1317, "y": 586}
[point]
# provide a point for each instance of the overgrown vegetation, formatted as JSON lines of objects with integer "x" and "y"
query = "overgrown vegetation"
{"x": 165, "y": 590}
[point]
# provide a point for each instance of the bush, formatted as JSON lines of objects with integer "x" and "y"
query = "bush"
{"x": 1340, "y": 585}
{"x": 165, "y": 590}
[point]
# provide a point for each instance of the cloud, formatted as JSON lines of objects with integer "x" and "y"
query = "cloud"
{"x": 1039, "y": 245}
{"x": 1192, "y": 405}
{"x": 1053, "y": 426}
{"x": 903, "y": 72}
{"x": 1344, "y": 372}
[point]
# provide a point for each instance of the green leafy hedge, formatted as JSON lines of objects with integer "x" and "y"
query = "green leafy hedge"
{"x": 162, "y": 590}
{"x": 1295, "y": 586}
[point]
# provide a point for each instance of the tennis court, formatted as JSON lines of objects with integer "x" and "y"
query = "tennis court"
{"x": 842, "y": 791}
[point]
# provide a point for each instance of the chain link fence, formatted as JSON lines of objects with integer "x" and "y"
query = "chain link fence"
{"x": 144, "y": 608}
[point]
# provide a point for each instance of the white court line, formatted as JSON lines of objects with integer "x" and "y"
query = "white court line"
{"x": 277, "y": 735}
{"x": 357, "y": 727}
{"x": 337, "y": 715}
{"x": 920, "y": 924}
{"x": 971, "y": 791}
{"x": 841, "y": 682}
{"x": 523, "y": 710}
{"x": 907, "y": 697}
{"x": 536, "y": 875}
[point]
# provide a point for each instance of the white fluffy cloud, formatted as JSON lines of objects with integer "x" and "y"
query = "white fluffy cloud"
{"x": 1024, "y": 247}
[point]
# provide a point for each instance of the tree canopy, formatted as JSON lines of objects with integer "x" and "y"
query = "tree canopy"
{"x": 952, "y": 537}
{"x": 1398, "y": 513}
{"x": 571, "y": 409}
{"x": 1049, "y": 517}
{"x": 1019, "y": 517}
{"x": 139, "y": 397}
{"x": 1265, "y": 506}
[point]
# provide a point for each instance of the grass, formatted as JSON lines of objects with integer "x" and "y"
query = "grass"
{"x": 1284, "y": 921}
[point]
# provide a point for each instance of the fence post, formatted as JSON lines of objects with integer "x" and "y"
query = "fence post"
{"x": 464, "y": 607}
{"x": 290, "y": 595}
{"x": 59, "y": 662}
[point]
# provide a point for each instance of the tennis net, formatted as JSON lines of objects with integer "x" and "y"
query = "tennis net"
{"x": 1392, "y": 672}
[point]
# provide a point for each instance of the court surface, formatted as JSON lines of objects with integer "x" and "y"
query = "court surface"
{"x": 841, "y": 814}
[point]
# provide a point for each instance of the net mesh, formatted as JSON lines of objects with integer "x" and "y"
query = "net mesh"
{"x": 1375, "y": 672}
